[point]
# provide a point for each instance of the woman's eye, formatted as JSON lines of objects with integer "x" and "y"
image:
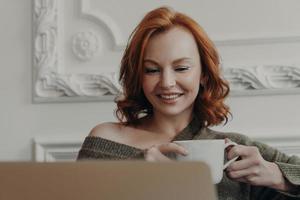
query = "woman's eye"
{"x": 151, "y": 70}
{"x": 182, "y": 68}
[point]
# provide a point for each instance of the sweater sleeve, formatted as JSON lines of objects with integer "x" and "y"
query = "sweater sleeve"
{"x": 289, "y": 166}
{"x": 95, "y": 148}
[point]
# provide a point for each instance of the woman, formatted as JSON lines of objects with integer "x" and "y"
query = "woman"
{"x": 173, "y": 90}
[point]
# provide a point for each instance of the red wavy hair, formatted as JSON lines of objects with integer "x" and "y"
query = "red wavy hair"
{"x": 209, "y": 105}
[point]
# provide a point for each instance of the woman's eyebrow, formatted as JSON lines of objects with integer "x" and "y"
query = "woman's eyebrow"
{"x": 178, "y": 60}
{"x": 151, "y": 61}
{"x": 182, "y": 59}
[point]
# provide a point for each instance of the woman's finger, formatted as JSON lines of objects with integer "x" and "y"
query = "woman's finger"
{"x": 242, "y": 151}
{"x": 153, "y": 154}
{"x": 172, "y": 148}
{"x": 252, "y": 171}
{"x": 233, "y": 152}
{"x": 227, "y": 140}
{"x": 239, "y": 165}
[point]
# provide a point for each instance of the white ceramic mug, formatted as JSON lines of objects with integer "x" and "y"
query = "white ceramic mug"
{"x": 209, "y": 151}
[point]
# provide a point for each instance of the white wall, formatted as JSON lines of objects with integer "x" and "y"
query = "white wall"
{"x": 21, "y": 120}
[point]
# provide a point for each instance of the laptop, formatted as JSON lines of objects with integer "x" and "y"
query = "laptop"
{"x": 106, "y": 180}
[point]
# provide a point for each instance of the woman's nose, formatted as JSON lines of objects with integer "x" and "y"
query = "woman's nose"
{"x": 168, "y": 80}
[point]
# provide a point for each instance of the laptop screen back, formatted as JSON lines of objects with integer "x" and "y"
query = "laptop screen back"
{"x": 107, "y": 180}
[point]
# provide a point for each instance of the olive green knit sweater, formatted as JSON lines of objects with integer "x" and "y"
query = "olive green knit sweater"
{"x": 99, "y": 148}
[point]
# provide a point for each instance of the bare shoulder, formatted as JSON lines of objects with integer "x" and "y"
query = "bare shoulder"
{"x": 107, "y": 130}
{"x": 128, "y": 135}
{"x": 102, "y": 128}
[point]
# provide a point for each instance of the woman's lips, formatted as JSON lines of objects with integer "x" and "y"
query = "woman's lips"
{"x": 169, "y": 98}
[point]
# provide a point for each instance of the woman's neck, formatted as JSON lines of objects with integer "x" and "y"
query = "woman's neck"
{"x": 170, "y": 126}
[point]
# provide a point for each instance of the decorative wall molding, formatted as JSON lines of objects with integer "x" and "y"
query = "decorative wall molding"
{"x": 104, "y": 20}
{"x": 85, "y": 45}
{"x": 65, "y": 148}
{"x": 51, "y": 149}
{"x": 264, "y": 79}
{"x": 242, "y": 41}
{"x": 51, "y": 84}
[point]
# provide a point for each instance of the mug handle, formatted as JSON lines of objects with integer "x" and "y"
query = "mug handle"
{"x": 233, "y": 159}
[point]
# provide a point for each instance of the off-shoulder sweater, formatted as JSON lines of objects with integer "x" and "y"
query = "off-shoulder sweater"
{"x": 100, "y": 148}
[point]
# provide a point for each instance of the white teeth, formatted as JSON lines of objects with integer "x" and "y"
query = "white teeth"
{"x": 173, "y": 96}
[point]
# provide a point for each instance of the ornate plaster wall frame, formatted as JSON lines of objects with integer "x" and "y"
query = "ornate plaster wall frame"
{"x": 51, "y": 84}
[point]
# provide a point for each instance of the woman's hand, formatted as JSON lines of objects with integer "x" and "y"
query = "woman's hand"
{"x": 156, "y": 152}
{"x": 253, "y": 169}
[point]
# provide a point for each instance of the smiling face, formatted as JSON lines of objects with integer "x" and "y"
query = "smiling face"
{"x": 172, "y": 72}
